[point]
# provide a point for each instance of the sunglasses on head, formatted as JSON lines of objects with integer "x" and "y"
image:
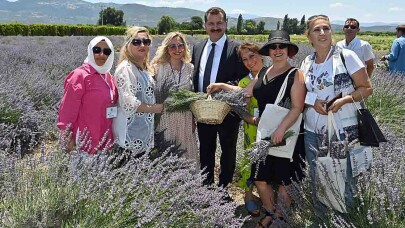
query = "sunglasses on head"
{"x": 138, "y": 42}
{"x": 97, "y": 50}
{"x": 350, "y": 26}
{"x": 318, "y": 15}
{"x": 279, "y": 46}
{"x": 175, "y": 46}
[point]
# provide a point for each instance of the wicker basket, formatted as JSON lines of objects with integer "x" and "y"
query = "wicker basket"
{"x": 210, "y": 111}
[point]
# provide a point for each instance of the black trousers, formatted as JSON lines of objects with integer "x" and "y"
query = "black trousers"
{"x": 228, "y": 135}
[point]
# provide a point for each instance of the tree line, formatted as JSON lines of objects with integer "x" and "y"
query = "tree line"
{"x": 166, "y": 24}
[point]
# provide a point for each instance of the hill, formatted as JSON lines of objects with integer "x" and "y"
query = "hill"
{"x": 81, "y": 12}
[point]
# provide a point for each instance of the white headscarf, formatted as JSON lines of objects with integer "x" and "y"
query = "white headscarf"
{"x": 90, "y": 56}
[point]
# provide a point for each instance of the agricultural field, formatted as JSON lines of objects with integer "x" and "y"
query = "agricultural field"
{"x": 41, "y": 186}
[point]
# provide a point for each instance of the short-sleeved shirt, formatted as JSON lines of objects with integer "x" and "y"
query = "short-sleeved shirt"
{"x": 360, "y": 47}
{"x": 249, "y": 129}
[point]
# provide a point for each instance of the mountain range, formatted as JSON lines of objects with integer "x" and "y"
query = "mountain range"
{"x": 82, "y": 12}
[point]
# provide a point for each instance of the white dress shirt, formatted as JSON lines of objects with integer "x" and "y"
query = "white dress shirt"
{"x": 215, "y": 64}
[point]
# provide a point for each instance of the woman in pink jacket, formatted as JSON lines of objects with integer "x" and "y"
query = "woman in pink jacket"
{"x": 89, "y": 100}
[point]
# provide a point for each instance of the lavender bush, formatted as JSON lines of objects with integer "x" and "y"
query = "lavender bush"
{"x": 58, "y": 189}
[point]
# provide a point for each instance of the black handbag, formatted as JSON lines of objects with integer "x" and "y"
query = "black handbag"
{"x": 369, "y": 132}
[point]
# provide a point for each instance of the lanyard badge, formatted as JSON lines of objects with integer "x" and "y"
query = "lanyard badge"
{"x": 112, "y": 111}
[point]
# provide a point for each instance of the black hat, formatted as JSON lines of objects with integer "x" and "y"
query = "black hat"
{"x": 279, "y": 37}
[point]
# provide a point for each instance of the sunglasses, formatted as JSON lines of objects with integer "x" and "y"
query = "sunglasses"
{"x": 175, "y": 46}
{"x": 97, "y": 50}
{"x": 350, "y": 26}
{"x": 279, "y": 46}
{"x": 138, "y": 42}
{"x": 318, "y": 15}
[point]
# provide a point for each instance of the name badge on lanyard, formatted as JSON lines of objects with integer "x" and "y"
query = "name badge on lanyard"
{"x": 111, "y": 111}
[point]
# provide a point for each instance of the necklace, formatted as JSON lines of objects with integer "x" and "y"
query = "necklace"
{"x": 174, "y": 75}
{"x": 268, "y": 80}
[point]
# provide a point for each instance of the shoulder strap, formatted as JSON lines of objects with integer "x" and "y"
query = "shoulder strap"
{"x": 343, "y": 60}
{"x": 284, "y": 86}
{"x": 262, "y": 72}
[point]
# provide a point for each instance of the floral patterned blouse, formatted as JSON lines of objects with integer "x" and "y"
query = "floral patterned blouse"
{"x": 134, "y": 130}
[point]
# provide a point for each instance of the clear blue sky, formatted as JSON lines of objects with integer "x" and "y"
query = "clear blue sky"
{"x": 363, "y": 10}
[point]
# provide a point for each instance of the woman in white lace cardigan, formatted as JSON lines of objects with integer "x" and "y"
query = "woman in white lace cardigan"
{"x": 134, "y": 125}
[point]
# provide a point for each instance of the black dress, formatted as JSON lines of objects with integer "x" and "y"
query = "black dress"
{"x": 276, "y": 170}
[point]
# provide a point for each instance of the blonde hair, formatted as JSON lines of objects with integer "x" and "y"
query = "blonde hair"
{"x": 162, "y": 53}
{"x": 248, "y": 46}
{"x": 125, "y": 53}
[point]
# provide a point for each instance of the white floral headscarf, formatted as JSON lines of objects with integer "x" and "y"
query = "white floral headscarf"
{"x": 90, "y": 56}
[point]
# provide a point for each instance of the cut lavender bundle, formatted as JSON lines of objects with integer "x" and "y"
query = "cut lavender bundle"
{"x": 236, "y": 99}
{"x": 259, "y": 150}
{"x": 181, "y": 100}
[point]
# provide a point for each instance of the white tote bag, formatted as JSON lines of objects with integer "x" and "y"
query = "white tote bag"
{"x": 361, "y": 158}
{"x": 271, "y": 118}
{"x": 332, "y": 174}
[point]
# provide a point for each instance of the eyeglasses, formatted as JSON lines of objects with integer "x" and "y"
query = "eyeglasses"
{"x": 175, "y": 46}
{"x": 350, "y": 26}
{"x": 318, "y": 15}
{"x": 138, "y": 42}
{"x": 279, "y": 46}
{"x": 325, "y": 29}
{"x": 97, "y": 50}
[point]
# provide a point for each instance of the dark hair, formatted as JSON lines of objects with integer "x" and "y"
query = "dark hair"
{"x": 215, "y": 11}
{"x": 401, "y": 28}
{"x": 353, "y": 19}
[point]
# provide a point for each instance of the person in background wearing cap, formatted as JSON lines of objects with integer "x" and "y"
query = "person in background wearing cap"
{"x": 276, "y": 171}
{"x": 326, "y": 76}
{"x": 396, "y": 59}
{"x": 89, "y": 100}
{"x": 360, "y": 47}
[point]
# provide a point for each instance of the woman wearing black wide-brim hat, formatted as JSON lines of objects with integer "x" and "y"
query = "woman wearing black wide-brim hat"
{"x": 278, "y": 171}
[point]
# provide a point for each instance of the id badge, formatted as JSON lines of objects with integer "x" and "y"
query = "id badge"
{"x": 256, "y": 112}
{"x": 310, "y": 98}
{"x": 112, "y": 112}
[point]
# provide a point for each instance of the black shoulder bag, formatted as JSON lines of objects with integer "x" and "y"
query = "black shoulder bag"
{"x": 369, "y": 132}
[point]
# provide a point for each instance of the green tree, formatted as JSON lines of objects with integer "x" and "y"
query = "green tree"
{"x": 111, "y": 16}
{"x": 185, "y": 26}
{"x": 232, "y": 30}
{"x": 239, "y": 25}
{"x": 250, "y": 26}
{"x": 166, "y": 24}
{"x": 260, "y": 27}
{"x": 303, "y": 25}
{"x": 196, "y": 23}
{"x": 278, "y": 25}
{"x": 286, "y": 23}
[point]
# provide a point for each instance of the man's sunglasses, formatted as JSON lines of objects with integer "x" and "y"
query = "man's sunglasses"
{"x": 175, "y": 46}
{"x": 280, "y": 46}
{"x": 350, "y": 26}
{"x": 97, "y": 50}
{"x": 138, "y": 42}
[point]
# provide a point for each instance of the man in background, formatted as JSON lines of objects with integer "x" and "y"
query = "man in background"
{"x": 396, "y": 59}
{"x": 360, "y": 47}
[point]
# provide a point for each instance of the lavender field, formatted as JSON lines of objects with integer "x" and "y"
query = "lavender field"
{"x": 40, "y": 186}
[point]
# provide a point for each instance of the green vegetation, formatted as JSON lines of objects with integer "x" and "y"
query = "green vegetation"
{"x": 111, "y": 16}
{"x": 17, "y": 29}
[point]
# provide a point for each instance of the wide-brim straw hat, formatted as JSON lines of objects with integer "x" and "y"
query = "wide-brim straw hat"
{"x": 279, "y": 37}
